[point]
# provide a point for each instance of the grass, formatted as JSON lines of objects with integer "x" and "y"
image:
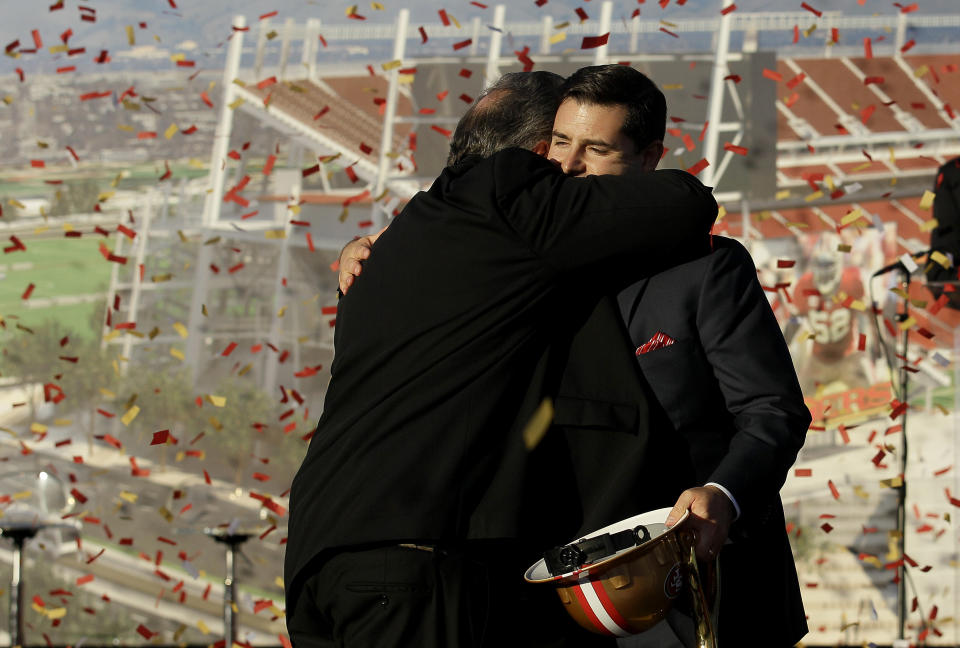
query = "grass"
{"x": 61, "y": 267}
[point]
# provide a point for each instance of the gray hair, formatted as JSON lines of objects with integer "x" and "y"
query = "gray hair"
{"x": 516, "y": 111}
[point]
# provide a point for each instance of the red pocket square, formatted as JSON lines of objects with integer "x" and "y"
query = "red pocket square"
{"x": 659, "y": 339}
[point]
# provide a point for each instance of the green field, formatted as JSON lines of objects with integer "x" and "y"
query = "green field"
{"x": 61, "y": 267}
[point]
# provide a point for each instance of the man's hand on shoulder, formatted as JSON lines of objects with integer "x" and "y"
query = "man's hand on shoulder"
{"x": 711, "y": 514}
{"x": 352, "y": 257}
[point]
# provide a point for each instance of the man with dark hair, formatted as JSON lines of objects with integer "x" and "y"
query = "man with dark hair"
{"x": 720, "y": 377}
{"x": 418, "y": 503}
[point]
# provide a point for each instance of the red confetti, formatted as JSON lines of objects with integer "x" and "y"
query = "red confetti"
{"x": 726, "y": 10}
{"x": 739, "y": 150}
{"x": 94, "y": 95}
{"x": 591, "y": 42}
{"x": 815, "y": 12}
{"x": 83, "y": 580}
{"x": 772, "y": 75}
{"x": 581, "y": 14}
{"x": 698, "y": 167}
{"x": 269, "y": 14}
{"x": 908, "y": 46}
{"x": 160, "y": 438}
{"x": 833, "y": 489}
{"x": 803, "y": 472}
{"x": 423, "y": 35}
{"x": 444, "y": 18}
{"x": 668, "y": 32}
{"x": 464, "y": 43}
{"x": 145, "y": 632}
{"x": 442, "y": 131}
{"x": 872, "y": 79}
{"x": 26, "y": 293}
{"x": 268, "y": 166}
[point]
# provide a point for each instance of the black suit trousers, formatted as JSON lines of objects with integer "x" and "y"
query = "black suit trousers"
{"x": 396, "y": 597}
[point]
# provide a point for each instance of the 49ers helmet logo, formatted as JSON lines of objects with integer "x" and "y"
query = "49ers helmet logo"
{"x": 673, "y": 582}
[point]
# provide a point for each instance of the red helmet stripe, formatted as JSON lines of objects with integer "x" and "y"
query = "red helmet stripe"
{"x": 588, "y": 610}
{"x": 600, "y": 612}
{"x": 608, "y": 604}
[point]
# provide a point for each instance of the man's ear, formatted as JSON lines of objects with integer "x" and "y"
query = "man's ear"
{"x": 541, "y": 148}
{"x": 651, "y": 154}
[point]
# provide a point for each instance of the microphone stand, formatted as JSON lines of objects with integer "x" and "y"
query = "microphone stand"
{"x": 904, "y": 377}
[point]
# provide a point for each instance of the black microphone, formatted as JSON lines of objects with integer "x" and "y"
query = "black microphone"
{"x": 898, "y": 264}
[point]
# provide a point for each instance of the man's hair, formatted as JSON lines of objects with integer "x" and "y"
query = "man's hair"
{"x": 516, "y": 111}
{"x": 621, "y": 85}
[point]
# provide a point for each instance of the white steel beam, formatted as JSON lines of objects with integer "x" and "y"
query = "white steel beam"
{"x": 221, "y": 136}
{"x": 606, "y": 11}
{"x": 386, "y": 136}
{"x": 715, "y": 109}
{"x": 496, "y": 38}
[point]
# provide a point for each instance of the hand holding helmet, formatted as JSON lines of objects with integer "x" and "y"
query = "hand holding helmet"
{"x": 711, "y": 514}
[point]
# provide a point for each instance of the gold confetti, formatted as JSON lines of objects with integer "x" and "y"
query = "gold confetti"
{"x": 129, "y": 497}
{"x": 217, "y": 401}
{"x": 780, "y": 195}
{"x": 391, "y": 65}
{"x": 558, "y": 38}
{"x": 855, "y": 215}
{"x": 893, "y": 482}
{"x": 171, "y": 131}
{"x": 130, "y": 38}
{"x": 538, "y": 424}
{"x": 180, "y": 329}
{"x": 38, "y": 428}
{"x": 929, "y": 225}
{"x": 177, "y": 353}
{"x": 277, "y": 233}
{"x": 131, "y": 414}
{"x": 927, "y": 201}
{"x": 236, "y": 103}
{"x": 907, "y": 323}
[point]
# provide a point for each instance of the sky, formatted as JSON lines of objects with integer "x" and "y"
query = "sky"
{"x": 198, "y": 28}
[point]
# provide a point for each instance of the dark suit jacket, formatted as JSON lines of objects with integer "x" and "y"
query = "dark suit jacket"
{"x": 420, "y": 437}
{"x": 721, "y": 404}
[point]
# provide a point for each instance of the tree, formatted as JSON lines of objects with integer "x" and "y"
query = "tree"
{"x": 33, "y": 355}
{"x": 76, "y": 197}
{"x": 232, "y": 431}
{"x": 84, "y": 381}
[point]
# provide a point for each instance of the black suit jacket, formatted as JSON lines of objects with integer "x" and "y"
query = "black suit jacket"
{"x": 420, "y": 437}
{"x": 721, "y": 404}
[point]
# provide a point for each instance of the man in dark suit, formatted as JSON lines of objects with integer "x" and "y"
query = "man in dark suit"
{"x": 414, "y": 510}
{"x": 730, "y": 414}
{"x": 705, "y": 403}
